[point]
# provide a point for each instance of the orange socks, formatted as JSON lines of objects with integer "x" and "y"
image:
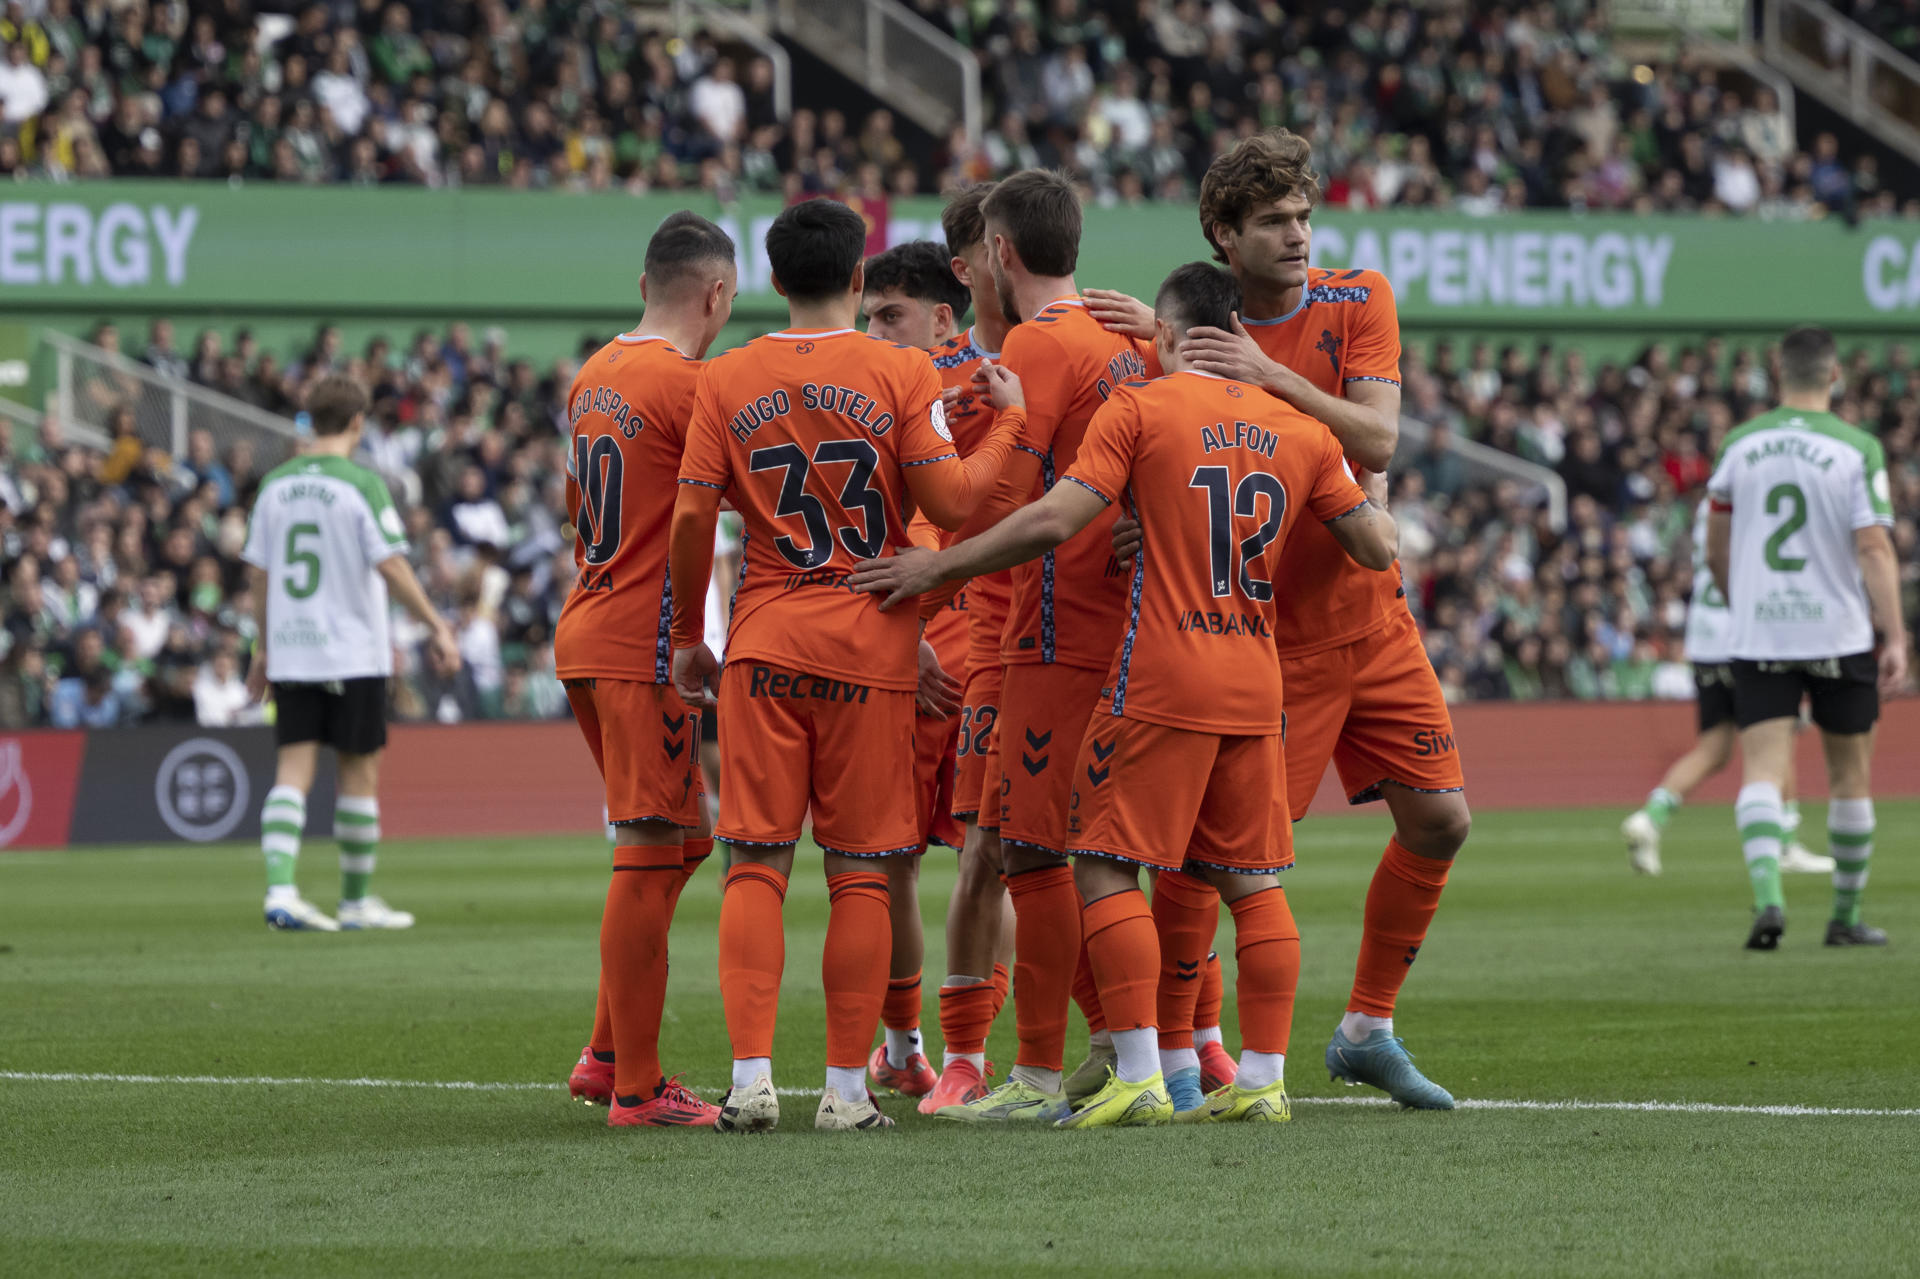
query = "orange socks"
{"x": 966, "y": 1014}
{"x": 1213, "y": 990}
{"x": 753, "y": 953}
{"x": 901, "y": 1011}
{"x": 1046, "y": 944}
{"x": 1086, "y": 993}
{"x": 1267, "y": 945}
{"x": 853, "y": 967}
{"x": 1185, "y": 912}
{"x": 1400, "y": 905}
{"x": 693, "y": 852}
{"x": 1002, "y": 983}
{"x": 633, "y": 960}
{"x": 1125, "y": 956}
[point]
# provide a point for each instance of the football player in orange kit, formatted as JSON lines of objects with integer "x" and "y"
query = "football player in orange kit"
{"x": 1063, "y": 622}
{"x": 628, "y": 412}
{"x": 1181, "y": 764}
{"x": 912, "y": 298}
{"x": 820, "y": 435}
{"x": 1360, "y": 690}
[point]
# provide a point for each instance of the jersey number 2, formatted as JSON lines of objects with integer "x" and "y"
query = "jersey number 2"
{"x": 856, "y": 495}
{"x": 1778, "y": 496}
{"x": 1243, "y": 501}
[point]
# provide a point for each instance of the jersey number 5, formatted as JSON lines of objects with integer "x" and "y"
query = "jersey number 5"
{"x": 303, "y": 567}
{"x": 856, "y": 495}
{"x": 1243, "y": 501}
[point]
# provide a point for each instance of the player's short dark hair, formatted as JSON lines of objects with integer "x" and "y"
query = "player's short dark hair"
{"x": 1040, "y": 212}
{"x": 334, "y": 402}
{"x": 1198, "y": 295}
{"x": 1276, "y": 164}
{"x": 962, "y": 221}
{"x": 921, "y": 269}
{"x": 687, "y": 248}
{"x": 1806, "y": 359}
{"x": 814, "y": 248}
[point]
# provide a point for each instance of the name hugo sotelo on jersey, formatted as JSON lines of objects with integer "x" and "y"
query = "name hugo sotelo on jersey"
{"x": 855, "y": 405}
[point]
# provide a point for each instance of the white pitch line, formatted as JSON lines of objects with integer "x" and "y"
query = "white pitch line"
{"x": 469, "y": 1085}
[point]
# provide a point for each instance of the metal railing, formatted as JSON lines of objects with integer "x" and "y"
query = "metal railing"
{"x": 898, "y": 55}
{"x": 92, "y": 385}
{"x": 1489, "y": 465}
{"x": 24, "y": 418}
{"x": 1851, "y": 69}
{"x": 691, "y": 15}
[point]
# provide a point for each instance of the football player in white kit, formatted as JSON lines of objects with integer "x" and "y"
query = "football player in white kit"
{"x": 1800, "y": 541}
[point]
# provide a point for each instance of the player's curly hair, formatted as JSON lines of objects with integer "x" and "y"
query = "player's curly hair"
{"x": 921, "y": 269}
{"x": 1272, "y": 165}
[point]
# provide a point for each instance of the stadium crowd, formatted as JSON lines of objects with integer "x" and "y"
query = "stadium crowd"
{"x": 1472, "y": 105}
{"x": 126, "y": 599}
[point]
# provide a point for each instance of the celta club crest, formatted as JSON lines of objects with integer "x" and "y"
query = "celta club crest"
{"x": 1331, "y": 345}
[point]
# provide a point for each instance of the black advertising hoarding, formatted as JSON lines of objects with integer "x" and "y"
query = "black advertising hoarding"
{"x": 184, "y": 784}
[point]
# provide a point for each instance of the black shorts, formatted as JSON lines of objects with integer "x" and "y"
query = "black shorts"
{"x": 1713, "y": 694}
{"x": 1844, "y": 691}
{"x": 709, "y": 726}
{"x": 349, "y": 715}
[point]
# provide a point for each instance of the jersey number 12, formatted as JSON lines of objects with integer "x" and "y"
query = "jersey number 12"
{"x": 1224, "y": 502}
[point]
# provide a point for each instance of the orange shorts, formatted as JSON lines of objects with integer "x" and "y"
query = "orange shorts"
{"x": 979, "y": 712}
{"x": 1172, "y": 798}
{"x": 790, "y": 742}
{"x": 1043, "y": 715}
{"x": 934, "y": 744}
{"x": 1373, "y": 707}
{"x": 646, "y": 744}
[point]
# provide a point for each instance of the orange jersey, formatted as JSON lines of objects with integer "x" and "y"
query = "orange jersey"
{"x": 988, "y": 597}
{"x": 627, "y": 413}
{"x": 1345, "y": 330}
{"x": 1217, "y": 473}
{"x": 808, "y": 431}
{"x": 1067, "y": 606}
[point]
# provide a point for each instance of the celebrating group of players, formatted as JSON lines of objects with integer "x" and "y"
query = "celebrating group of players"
{"x": 1088, "y": 588}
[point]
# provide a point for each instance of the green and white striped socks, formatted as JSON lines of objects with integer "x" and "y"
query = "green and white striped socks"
{"x": 356, "y": 826}
{"x": 282, "y": 819}
{"x": 1660, "y": 805}
{"x": 1850, "y": 834}
{"x": 1757, "y": 812}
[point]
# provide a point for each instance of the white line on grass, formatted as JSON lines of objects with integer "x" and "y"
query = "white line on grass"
{"x": 469, "y": 1085}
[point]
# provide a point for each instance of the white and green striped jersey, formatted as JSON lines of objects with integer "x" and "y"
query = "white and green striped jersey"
{"x": 1707, "y": 620}
{"x": 321, "y": 526}
{"x": 1799, "y": 484}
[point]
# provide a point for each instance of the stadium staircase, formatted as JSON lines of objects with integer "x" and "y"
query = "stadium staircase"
{"x": 1850, "y": 70}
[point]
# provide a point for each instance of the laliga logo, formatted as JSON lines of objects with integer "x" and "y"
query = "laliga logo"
{"x": 15, "y": 792}
{"x": 201, "y": 789}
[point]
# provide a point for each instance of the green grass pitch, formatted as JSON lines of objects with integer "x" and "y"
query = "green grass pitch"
{"x": 1552, "y": 974}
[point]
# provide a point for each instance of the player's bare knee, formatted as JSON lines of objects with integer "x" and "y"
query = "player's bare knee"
{"x": 1097, "y": 877}
{"x": 1233, "y": 886}
{"x": 1434, "y": 829}
{"x": 1021, "y": 858}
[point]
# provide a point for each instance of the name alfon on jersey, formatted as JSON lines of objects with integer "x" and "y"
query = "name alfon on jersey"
{"x": 1244, "y": 435}
{"x": 855, "y": 405}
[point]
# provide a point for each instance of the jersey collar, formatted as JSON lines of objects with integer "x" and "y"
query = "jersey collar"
{"x": 641, "y": 339}
{"x": 803, "y": 335}
{"x": 1072, "y": 299}
{"x": 973, "y": 341}
{"x": 1306, "y": 291}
